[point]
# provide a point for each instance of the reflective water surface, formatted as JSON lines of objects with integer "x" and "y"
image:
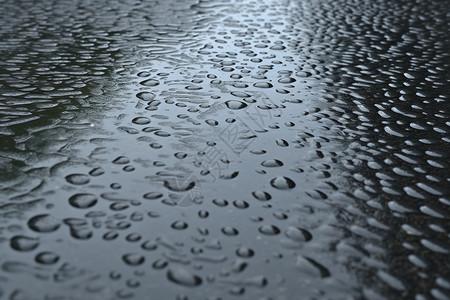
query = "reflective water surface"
{"x": 224, "y": 149}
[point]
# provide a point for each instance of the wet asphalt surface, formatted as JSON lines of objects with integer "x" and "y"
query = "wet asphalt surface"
{"x": 224, "y": 149}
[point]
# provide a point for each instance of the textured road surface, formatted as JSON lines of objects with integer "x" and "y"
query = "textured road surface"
{"x": 224, "y": 149}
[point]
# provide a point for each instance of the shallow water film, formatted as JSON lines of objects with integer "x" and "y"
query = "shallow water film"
{"x": 224, "y": 149}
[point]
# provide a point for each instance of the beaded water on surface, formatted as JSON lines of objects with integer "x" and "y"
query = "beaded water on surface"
{"x": 224, "y": 149}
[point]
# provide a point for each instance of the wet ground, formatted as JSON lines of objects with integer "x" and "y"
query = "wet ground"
{"x": 224, "y": 149}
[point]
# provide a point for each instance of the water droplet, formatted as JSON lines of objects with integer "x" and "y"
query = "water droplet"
{"x": 286, "y": 80}
{"x": 229, "y": 175}
{"x": 298, "y": 234}
{"x": 212, "y": 122}
{"x": 47, "y": 258}
{"x": 153, "y": 195}
{"x": 203, "y": 214}
{"x": 141, "y": 121}
{"x": 245, "y": 252}
{"x": 156, "y": 145}
{"x": 160, "y": 264}
{"x": 264, "y": 85}
{"x": 24, "y": 243}
{"x": 178, "y": 185}
{"x": 44, "y": 223}
{"x": 282, "y": 183}
{"x": 234, "y": 104}
{"x": 162, "y": 133}
{"x": 110, "y": 235}
{"x": 183, "y": 277}
{"x": 258, "y": 152}
{"x": 83, "y": 200}
{"x": 121, "y": 160}
{"x": 269, "y": 230}
{"x": 150, "y": 82}
{"x": 77, "y": 179}
{"x": 271, "y": 163}
{"x": 240, "y": 94}
{"x": 261, "y": 195}
{"x": 230, "y": 231}
{"x": 240, "y": 204}
{"x": 133, "y": 237}
{"x": 146, "y": 96}
{"x": 97, "y": 172}
{"x": 149, "y": 245}
{"x": 180, "y": 155}
{"x": 282, "y": 143}
{"x": 220, "y": 202}
{"x": 179, "y": 225}
{"x": 133, "y": 259}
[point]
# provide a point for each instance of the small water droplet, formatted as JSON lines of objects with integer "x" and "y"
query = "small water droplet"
{"x": 83, "y": 201}
{"x": 141, "y": 121}
{"x": 263, "y": 85}
{"x": 298, "y": 234}
{"x": 160, "y": 264}
{"x": 133, "y": 259}
{"x": 146, "y": 96}
{"x": 121, "y": 160}
{"x": 245, "y": 252}
{"x": 183, "y": 277}
{"x": 261, "y": 195}
{"x": 230, "y": 231}
{"x": 179, "y": 225}
{"x": 44, "y": 223}
{"x": 178, "y": 185}
{"x": 220, "y": 202}
{"x": 271, "y": 163}
{"x": 240, "y": 204}
{"x": 24, "y": 243}
{"x": 212, "y": 122}
{"x": 97, "y": 172}
{"x": 269, "y": 230}
{"x": 150, "y": 82}
{"x": 47, "y": 258}
{"x": 153, "y": 195}
{"x": 235, "y": 105}
{"x": 77, "y": 179}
